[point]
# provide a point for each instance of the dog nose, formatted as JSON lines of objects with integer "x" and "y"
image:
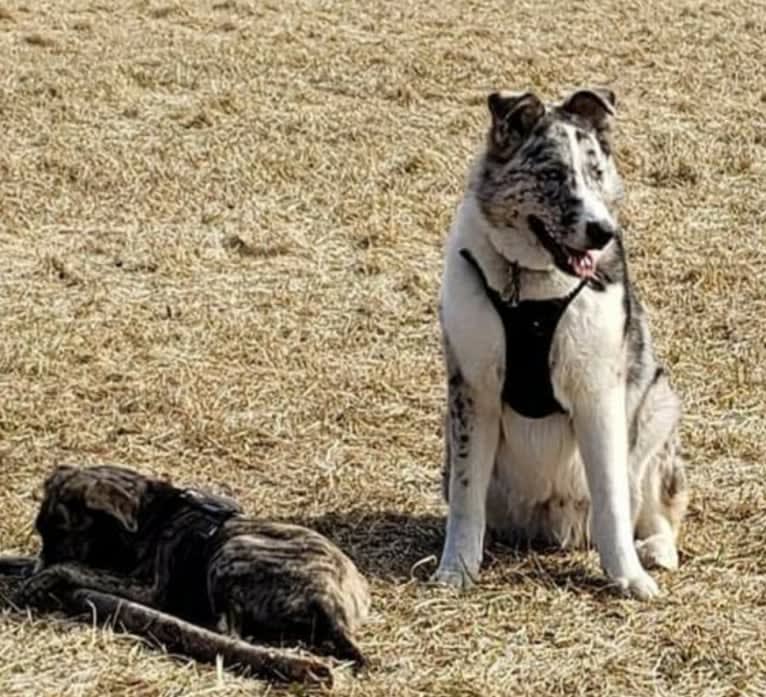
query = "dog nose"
{"x": 599, "y": 234}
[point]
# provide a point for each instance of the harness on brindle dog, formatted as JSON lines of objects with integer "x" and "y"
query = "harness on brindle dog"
{"x": 188, "y": 538}
{"x": 529, "y": 326}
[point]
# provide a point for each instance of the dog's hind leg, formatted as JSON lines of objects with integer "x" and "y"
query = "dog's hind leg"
{"x": 345, "y": 646}
{"x": 663, "y": 505}
{"x": 659, "y": 477}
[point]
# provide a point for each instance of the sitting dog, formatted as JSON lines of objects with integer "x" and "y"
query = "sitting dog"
{"x": 195, "y": 556}
{"x": 561, "y": 425}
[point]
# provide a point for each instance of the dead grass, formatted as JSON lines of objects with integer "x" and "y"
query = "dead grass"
{"x": 220, "y": 234}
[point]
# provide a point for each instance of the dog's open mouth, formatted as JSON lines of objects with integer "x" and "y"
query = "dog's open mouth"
{"x": 579, "y": 262}
{"x": 583, "y": 262}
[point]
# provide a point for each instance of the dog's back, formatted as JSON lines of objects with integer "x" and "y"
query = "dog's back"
{"x": 273, "y": 580}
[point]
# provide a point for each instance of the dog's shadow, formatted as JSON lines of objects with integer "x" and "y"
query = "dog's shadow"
{"x": 383, "y": 544}
{"x": 396, "y": 547}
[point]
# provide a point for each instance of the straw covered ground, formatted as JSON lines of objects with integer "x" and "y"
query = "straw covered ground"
{"x": 221, "y": 226}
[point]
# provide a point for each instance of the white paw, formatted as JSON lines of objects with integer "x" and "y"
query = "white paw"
{"x": 658, "y": 552}
{"x": 455, "y": 576}
{"x": 641, "y": 585}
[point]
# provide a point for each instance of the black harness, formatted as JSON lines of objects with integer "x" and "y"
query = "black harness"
{"x": 188, "y": 539}
{"x": 529, "y": 326}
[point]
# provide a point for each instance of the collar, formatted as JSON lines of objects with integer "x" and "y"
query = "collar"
{"x": 511, "y": 292}
{"x": 510, "y": 295}
{"x": 216, "y": 510}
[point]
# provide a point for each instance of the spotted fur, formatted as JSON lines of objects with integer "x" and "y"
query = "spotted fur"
{"x": 543, "y": 194}
{"x": 196, "y": 556}
{"x": 548, "y": 175}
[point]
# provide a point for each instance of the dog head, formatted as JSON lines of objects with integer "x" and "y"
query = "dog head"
{"x": 547, "y": 182}
{"x": 92, "y": 515}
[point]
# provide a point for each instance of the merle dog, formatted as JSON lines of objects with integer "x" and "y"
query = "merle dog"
{"x": 561, "y": 424}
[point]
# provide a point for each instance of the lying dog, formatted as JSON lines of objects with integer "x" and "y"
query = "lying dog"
{"x": 561, "y": 424}
{"x": 195, "y": 556}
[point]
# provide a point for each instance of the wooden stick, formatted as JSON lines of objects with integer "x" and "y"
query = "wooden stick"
{"x": 179, "y": 636}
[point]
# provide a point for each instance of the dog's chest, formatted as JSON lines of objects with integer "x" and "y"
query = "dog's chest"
{"x": 558, "y": 347}
{"x": 587, "y": 354}
{"x": 529, "y": 328}
{"x": 538, "y": 456}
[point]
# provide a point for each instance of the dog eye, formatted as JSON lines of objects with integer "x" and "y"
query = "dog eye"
{"x": 553, "y": 174}
{"x": 552, "y": 181}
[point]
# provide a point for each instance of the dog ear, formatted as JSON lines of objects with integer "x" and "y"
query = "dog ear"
{"x": 514, "y": 115}
{"x": 596, "y": 106}
{"x": 119, "y": 497}
{"x": 54, "y": 481}
{"x": 57, "y": 476}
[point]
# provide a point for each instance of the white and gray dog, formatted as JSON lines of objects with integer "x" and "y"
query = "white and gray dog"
{"x": 561, "y": 426}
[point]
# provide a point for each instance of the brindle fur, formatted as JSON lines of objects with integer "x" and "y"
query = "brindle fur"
{"x": 195, "y": 556}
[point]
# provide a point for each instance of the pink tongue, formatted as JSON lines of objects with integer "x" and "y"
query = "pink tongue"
{"x": 585, "y": 264}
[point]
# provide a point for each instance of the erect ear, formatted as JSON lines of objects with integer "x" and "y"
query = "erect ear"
{"x": 117, "y": 496}
{"x": 514, "y": 115}
{"x": 596, "y": 105}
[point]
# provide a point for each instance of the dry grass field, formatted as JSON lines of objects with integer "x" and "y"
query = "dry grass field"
{"x": 221, "y": 226}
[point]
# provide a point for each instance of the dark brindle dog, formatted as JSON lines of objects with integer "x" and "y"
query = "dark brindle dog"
{"x": 195, "y": 556}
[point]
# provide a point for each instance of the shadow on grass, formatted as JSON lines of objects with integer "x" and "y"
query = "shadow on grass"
{"x": 383, "y": 544}
{"x": 395, "y": 547}
{"x": 545, "y": 566}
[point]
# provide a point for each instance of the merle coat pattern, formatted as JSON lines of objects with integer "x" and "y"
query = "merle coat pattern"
{"x": 539, "y": 221}
{"x": 196, "y": 556}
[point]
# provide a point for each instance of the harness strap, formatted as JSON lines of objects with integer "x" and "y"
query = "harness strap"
{"x": 529, "y": 327}
{"x": 497, "y": 299}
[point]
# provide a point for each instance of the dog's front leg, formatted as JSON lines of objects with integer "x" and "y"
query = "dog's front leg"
{"x": 473, "y": 430}
{"x": 601, "y": 431}
{"x": 58, "y": 580}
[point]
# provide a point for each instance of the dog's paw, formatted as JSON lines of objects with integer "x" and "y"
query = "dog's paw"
{"x": 41, "y": 591}
{"x": 36, "y": 592}
{"x": 658, "y": 552}
{"x": 640, "y": 585}
{"x": 457, "y": 577}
